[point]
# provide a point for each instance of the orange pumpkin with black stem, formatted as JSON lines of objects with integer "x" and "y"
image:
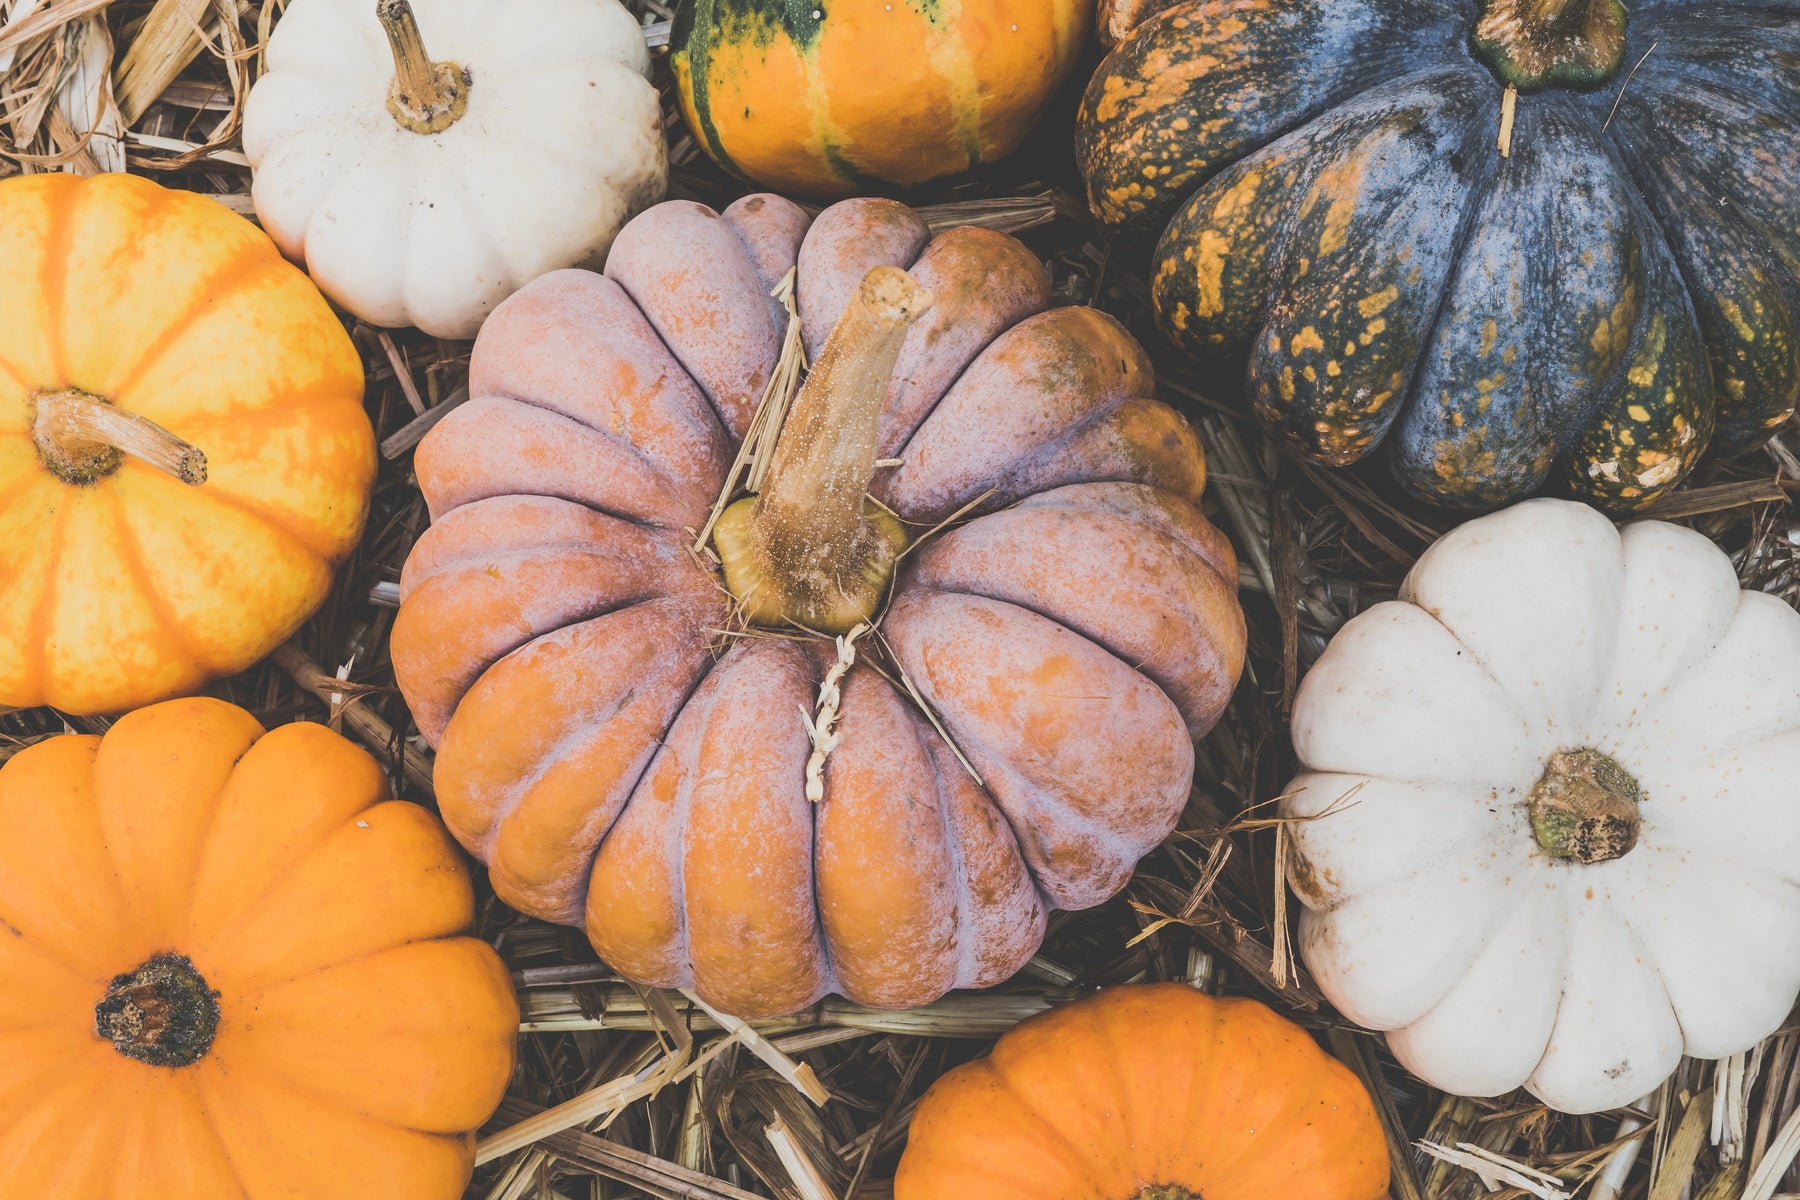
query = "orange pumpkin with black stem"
{"x": 1148, "y": 1092}
{"x": 184, "y": 455}
{"x": 235, "y": 970}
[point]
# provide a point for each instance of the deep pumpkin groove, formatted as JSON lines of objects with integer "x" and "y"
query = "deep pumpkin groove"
{"x": 648, "y": 860}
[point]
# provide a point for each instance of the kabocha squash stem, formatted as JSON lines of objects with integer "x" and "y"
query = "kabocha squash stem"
{"x": 427, "y": 97}
{"x": 811, "y": 549}
{"x": 81, "y": 438}
{"x": 1535, "y": 44}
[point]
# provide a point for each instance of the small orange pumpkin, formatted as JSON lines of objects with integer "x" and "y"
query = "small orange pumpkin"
{"x": 233, "y": 968}
{"x": 1148, "y": 1092}
{"x": 184, "y": 455}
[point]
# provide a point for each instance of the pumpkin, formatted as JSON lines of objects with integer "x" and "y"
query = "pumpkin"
{"x": 1148, "y": 1092}
{"x": 423, "y": 191}
{"x": 184, "y": 455}
{"x": 828, "y": 99}
{"x": 235, "y": 968}
{"x": 682, "y": 759}
{"x": 1506, "y": 246}
{"x": 1534, "y": 785}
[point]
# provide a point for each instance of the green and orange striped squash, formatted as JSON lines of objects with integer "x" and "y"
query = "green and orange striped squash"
{"x": 832, "y": 97}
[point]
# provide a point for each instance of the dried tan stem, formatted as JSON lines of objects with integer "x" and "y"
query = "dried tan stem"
{"x": 427, "y": 97}
{"x": 811, "y": 550}
{"x": 82, "y": 436}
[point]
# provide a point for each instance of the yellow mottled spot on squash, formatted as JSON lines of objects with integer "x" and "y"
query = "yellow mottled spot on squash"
{"x": 1638, "y": 412}
{"x": 1375, "y": 329}
{"x": 1378, "y": 303}
{"x": 1735, "y": 315}
{"x": 1490, "y": 333}
{"x": 1332, "y": 369}
{"x": 1287, "y": 383}
{"x": 1308, "y": 339}
{"x": 1209, "y": 273}
{"x": 1641, "y": 376}
{"x": 1310, "y": 375}
{"x": 1349, "y": 349}
{"x": 1337, "y": 223}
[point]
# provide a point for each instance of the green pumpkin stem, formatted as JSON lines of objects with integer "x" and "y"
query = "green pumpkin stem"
{"x": 811, "y": 549}
{"x": 163, "y": 1013}
{"x": 1536, "y": 44}
{"x": 82, "y": 437}
{"x": 426, "y": 96}
{"x": 1585, "y": 807}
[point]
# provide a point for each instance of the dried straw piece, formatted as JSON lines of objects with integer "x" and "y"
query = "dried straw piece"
{"x": 656, "y": 1175}
{"x": 1496, "y": 1169}
{"x": 169, "y": 39}
{"x": 1669, "y": 1180}
{"x": 363, "y": 721}
{"x": 800, "y": 1075}
{"x": 807, "y": 1180}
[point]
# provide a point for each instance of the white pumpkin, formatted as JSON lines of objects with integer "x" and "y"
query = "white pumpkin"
{"x": 425, "y": 188}
{"x": 1443, "y": 736}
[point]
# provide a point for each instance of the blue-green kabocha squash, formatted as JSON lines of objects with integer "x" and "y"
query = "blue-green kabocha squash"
{"x": 1338, "y": 221}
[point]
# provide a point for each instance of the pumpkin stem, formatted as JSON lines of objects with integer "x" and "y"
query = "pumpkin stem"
{"x": 1166, "y": 1191}
{"x": 426, "y": 96}
{"x": 1535, "y": 44}
{"x": 162, "y": 1013}
{"x": 1585, "y": 807}
{"x": 82, "y": 437}
{"x": 812, "y": 549}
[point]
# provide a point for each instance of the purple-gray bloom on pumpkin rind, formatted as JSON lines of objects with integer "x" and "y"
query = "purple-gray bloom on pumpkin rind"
{"x": 1338, "y": 224}
{"x": 623, "y": 753}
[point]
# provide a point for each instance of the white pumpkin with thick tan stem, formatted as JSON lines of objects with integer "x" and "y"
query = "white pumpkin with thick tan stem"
{"x": 425, "y": 167}
{"x": 1557, "y": 791}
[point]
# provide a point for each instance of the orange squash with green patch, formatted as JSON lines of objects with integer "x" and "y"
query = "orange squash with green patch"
{"x": 831, "y": 97}
{"x": 184, "y": 455}
{"x": 1584, "y": 308}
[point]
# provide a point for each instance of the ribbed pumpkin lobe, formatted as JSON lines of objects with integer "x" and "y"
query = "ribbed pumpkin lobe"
{"x": 163, "y": 1013}
{"x": 1537, "y": 44}
{"x": 426, "y": 96}
{"x": 812, "y": 550}
{"x": 82, "y": 438}
{"x": 1585, "y": 807}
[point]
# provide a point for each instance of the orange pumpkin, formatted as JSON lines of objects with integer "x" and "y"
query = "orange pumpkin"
{"x": 233, "y": 968}
{"x": 1148, "y": 1092}
{"x": 827, "y": 99}
{"x": 623, "y": 750}
{"x": 184, "y": 455}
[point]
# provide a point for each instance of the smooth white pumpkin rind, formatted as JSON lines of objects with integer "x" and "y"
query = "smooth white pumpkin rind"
{"x": 1490, "y": 1030}
{"x": 1691, "y": 684}
{"x": 1615, "y": 1037}
{"x": 1394, "y": 695}
{"x": 1566, "y": 558}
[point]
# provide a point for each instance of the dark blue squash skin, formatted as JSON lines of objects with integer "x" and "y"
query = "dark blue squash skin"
{"x": 1579, "y": 316}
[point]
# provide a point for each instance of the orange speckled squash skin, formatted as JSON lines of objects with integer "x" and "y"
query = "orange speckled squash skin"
{"x": 359, "y": 1037}
{"x": 137, "y": 586}
{"x": 1148, "y": 1092}
{"x": 829, "y": 99}
{"x": 619, "y": 763}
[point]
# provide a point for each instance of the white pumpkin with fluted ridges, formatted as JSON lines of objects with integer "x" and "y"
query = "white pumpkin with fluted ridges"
{"x": 425, "y": 169}
{"x": 1557, "y": 798}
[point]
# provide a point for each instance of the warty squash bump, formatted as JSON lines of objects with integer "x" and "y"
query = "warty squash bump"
{"x": 632, "y": 740}
{"x": 236, "y": 970}
{"x": 184, "y": 455}
{"x": 1341, "y": 230}
{"x": 1548, "y": 829}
